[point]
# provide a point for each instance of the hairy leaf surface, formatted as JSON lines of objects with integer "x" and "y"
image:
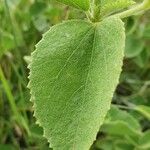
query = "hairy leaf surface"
{"x": 73, "y": 74}
{"x": 109, "y": 6}
{"x": 80, "y": 4}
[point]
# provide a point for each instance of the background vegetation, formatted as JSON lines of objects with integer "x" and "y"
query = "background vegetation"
{"x": 22, "y": 23}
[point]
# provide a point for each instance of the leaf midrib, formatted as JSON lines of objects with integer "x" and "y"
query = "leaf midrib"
{"x": 88, "y": 31}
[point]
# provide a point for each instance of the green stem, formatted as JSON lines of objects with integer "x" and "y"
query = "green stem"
{"x": 137, "y": 9}
{"x": 11, "y": 100}
{"x": 8, "y": 93}
{"x": 94, "y": 13}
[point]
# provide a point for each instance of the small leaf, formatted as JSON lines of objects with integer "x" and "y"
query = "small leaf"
{"x": 118, "y": 120}
{"x": 110, "y": 6}
{"x": 80, "y": 4}
{"x": 115, "y": 128}
{"x": 142, "y": 59}
{"x": 144, "y": 110}
{"x": 123, "y": 145}
{"x": 146, "y": 33}
{"x": 108, "y": 142}
{"x": 134, "y": 46}
{"x": 144, "y": 142}
{"x": 104, "y": 144}
{"x": 72, "y": 80}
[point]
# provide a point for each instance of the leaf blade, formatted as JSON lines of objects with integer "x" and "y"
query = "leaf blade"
{"x": 111, "y": 6}
{"x": 80, "y": 4}
{"x": 69, "y": 74}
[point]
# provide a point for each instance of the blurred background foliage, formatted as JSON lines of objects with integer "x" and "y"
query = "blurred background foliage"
{"x": 22, "y": 23}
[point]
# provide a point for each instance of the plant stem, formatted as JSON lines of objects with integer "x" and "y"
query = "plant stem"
{"x": 8, "y": 93}
{"x": 94, "y": 13}
{"x": 137, "y": 9}
{"x": 11, "y": 100}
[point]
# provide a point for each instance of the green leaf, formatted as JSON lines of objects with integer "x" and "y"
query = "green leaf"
{"x": 142, "y": 59}
{"x": 123, "y": 145}
{"x": 110, "y": 6}
{"x": 117, "y": 120}
{"x": 72, "y": 79}
{"x": 107, "y": 142}
{"x": 144, "y": 110}
{"x": 134, "y": 46}
{"x": 144, "y": 142}
{"x": 146, "y": 33}
{"x": 104, "y": 143}
{"x": 80, "y": 4}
